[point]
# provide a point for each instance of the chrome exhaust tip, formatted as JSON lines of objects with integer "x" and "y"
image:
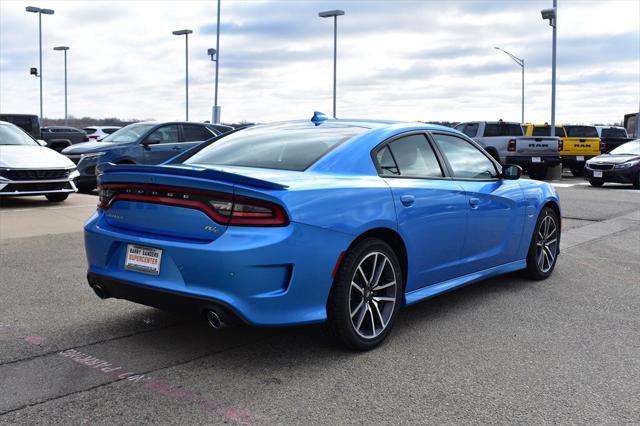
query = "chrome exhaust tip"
{"x": 214, "y": 320}
{"x": 99, "y": 291}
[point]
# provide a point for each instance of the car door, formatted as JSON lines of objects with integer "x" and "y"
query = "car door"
{"x": 495, "y": 207}
{"x": 160, "y": 145}
{"x": 431, "y": 209}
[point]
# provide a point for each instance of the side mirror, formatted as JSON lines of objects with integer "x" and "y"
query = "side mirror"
{"x": 151, "y": 141}
{"x": 511, "y": 172}
{"x": 41, "y": 142}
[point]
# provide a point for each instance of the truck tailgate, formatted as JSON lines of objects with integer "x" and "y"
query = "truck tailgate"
{"x": 580, "y": 146}
{"x": 537, "y": 145}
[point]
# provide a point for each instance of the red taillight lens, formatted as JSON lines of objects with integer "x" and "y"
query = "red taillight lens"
{"x": 511, "y": 145}
{"x": 223, "y": 208}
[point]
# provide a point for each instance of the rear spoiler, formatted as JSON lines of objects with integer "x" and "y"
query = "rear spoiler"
{"x": 192, "y": 171}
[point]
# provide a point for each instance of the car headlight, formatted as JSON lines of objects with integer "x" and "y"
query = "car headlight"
{"x": 92, "y": 155}
{"x": 626, "y": 165}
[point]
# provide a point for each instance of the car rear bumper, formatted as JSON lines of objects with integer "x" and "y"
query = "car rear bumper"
{"x": 527, "y": 162}
{"x": 612, "y": 175}
{"x": 265, "y": 276}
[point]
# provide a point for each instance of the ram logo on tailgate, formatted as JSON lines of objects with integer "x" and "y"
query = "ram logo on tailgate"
{"x": 538, "y": 145}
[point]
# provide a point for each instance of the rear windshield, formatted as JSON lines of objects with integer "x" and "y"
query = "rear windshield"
{"x": 24, "y": 122}
{"x": 581, "y": 131}
{"x": 613, "y": 132}
{"x": 285, "y": 147}
{"x": 89, "y": 130}
{"x": 546, "y": 131}
{"x": 502, "y": 129}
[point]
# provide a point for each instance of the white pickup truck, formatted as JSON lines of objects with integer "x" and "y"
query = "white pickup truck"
{"x": 505, "y": 141}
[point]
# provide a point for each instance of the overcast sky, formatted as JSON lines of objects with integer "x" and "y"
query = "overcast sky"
{"x": 408, "y": 60}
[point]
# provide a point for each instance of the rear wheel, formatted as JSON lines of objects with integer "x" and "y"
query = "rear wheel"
{"x": 596, "y": 183}
{"x": 57, "y": 198}
{"x": 538, "y": 174}
{"x": 577, "y": 171}
{"x": 366, "y": 295}
{"x": 545, "y": 245}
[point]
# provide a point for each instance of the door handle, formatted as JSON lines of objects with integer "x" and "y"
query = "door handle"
{"x": 407, "y": 200}
{"x": 473, "y": 202}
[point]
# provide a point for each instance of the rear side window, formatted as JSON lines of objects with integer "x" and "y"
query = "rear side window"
{"x": 612, "y": 132}
{"x": 546, "y": 131}
{"x": 408, "y": 156}
{"x": 285, "y": 147}
{"x": 195, "y": 133}
{"x": 469, "y": 129}
{"x": 581, "y": 131}
{"x": 502, "y": 129}
{"x": 466, "y": 161}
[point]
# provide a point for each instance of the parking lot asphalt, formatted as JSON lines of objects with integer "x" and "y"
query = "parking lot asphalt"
{"x": 506, "y": 350}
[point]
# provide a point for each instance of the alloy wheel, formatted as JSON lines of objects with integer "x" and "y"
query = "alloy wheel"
{"x": 372, "y": 295}
{"x": 547, "y": 244}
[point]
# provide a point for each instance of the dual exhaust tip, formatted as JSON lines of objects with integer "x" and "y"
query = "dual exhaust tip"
{"x": 215, "y": 319}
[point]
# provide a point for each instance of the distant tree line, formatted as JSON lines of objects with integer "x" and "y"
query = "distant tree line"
{"x": 83, "y": 122}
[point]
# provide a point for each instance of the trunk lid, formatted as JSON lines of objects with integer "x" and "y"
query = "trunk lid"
{"x": 580, "y": 146}
{"x": 174, "y": 201}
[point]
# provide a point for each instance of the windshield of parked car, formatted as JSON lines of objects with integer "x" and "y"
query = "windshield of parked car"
{"x": 285, "y": 147}
{"x": 629, "y": 148}
{"x": 128, "y": 134}
{"x": 581, "y": 131}
{"x": 614, "y": 132}
{"x": 12, "y": 135}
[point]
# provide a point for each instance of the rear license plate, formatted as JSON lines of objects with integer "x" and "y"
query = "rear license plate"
{"x": 143, "y": 259}
{"x": 597, "y": 173}
{"x": 580, "y": 158}
{"x": 536, "y": 160}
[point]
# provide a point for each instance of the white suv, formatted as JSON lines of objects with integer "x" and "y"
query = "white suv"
{"x": 96, "y": 133}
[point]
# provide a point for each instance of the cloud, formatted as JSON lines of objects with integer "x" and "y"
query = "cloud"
{"x": 427, "y": 60}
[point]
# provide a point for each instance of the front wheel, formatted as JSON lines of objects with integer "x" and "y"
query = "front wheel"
{"x": 366, "y": 295}
{"x": 545, "y": 245}
{"x": 57, "y": 198}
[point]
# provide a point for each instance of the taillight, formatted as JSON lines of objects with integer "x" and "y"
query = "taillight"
{"x": 223, "y": 208}
{"x": 560, "y": 145}
{"x": 603, "y": 146}
{"x": 511, "y": 146}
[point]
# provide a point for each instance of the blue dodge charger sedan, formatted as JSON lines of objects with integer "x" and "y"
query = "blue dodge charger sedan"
{"x": 343, "y": 221}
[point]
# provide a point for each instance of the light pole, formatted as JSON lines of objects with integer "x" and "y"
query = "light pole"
{"x": 64, "y": 48}
{"x": 185, "y": 33}
{"x": 216, "y": 108}
{"x": 552, "y": 16}
{"x": 334, "y": 14}
{"x": 520, "y": 62}
{"x": 40, "y": 11}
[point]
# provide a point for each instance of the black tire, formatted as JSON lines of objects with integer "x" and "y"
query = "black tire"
{"x": 543, "y": 250}
{"x": 577, "y": 171}
{"x": 538, "y": 173}
{"x": 57, "y": 198}
{"x": 346, "y": 308}
{"x": 596, "y": 183}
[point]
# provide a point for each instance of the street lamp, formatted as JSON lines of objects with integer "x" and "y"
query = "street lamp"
{"x": 64, "y": 48}
{"x": 552, "y": 16}
{"x": 520, "y": 62}
{"x": 185, "y": 33}
{"x": 40, "y": 12}
{"x": 334, "y": 14}
{"x": 216, "y": 108}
